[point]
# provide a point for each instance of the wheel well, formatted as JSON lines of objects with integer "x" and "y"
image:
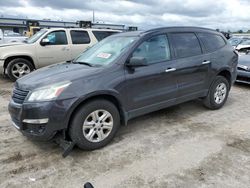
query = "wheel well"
{"x": 109, "y": 98}
{"x": 227, "y": 75}
{"x": 9, "y": 59}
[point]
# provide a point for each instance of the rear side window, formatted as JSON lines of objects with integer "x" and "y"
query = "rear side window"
{"x": 186, "y": 44}
{"x": 80, "y": 37}
{"x": 154, "y": 50}
{"x": 211, "y": 42}
{"x": 99, "y": 35}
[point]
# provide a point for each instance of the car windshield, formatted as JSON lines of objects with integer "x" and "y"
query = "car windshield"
{"x": 106, "y": 51}
{"x": 246, "y": 42}
{"x": 234, "y": 41}
{"x": 35, "y": 37}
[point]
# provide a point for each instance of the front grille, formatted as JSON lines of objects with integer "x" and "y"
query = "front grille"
{"x": 19, "y": 95}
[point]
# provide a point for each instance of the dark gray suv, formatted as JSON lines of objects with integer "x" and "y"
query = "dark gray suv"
{"x": 123, "y": 76}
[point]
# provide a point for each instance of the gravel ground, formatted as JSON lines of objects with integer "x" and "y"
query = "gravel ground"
{"x": 182, "y": 146}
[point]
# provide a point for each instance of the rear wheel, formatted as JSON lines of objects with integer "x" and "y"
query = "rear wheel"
{"x": 19, "y": 67}
{"x": 218, "y": 93}
{"x": 95, "y": 124}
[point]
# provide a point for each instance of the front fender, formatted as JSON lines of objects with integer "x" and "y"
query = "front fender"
{"x": 109, "y": 93}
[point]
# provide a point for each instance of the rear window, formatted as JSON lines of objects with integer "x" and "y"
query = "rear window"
{"x": 186, "y": 44}
{"x": 80, "y": 37}
{"x": 99, "y": 35}
{"x": 211, "y": 42}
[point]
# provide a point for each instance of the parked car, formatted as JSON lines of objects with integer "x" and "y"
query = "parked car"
{"x": 46, "y": 47}
{"x": 123, "y": 76}
{"x": 243, "y": 67}
{"x": 235, "y": 41}
{"x": 244, "y": 44}
{"x": 10, "y": 37}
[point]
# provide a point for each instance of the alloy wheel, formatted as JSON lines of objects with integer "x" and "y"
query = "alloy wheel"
{"x": 220, "y": 93}
{"x": 97, "y": 126}
{"x": 20, "y": 69}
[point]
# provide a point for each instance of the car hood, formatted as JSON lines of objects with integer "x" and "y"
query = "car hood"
{"x": 242, "y": 46}
{"x": 56, "y": 73}
{"x": 244, "y": 59}
{"x": 13, "y": 44}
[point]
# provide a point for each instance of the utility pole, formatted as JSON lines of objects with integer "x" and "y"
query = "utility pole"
{"x": 93, "y": 16}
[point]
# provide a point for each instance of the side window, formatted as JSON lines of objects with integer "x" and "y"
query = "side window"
{"x": 80, "y": 37}
{"x": 186, "y": 44}
{"x": 211, "y": 42}
{"x": 154, "y": 50}
{"x": 99, "y": 35}
{"x": 57, "y": 38}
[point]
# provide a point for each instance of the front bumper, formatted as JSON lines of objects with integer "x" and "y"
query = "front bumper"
{"x": 1, "y": 66}
{"x": 243, "y": 76}
{"x": 41, "y": 120}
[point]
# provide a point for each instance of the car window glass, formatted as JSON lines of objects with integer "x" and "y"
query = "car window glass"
{"x": 57, "y": 38}
{"x": 99, "y": 35}
{"x": 186, "y": 44}
{"x": 154, "y": 50}
{"x": 105, "y": 51}
{"x": 246, "y": 42}
{"x": 80, "y": 37}
{"x": 211, "y": 42}
{"x": 234, "y": 41}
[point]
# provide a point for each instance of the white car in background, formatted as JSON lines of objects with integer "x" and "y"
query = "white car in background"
{"x": 10, "y": 36}
{"x": 46, "y": 47}
{"x": 243, "y": 45}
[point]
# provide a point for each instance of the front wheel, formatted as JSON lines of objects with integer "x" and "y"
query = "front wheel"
{"x": 19, "y": 67}
{"x": 95, "y": 124}
{"x": 218, "y": 93}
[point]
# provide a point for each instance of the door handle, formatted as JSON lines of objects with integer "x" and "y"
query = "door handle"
{"x": 170, "y": 70}
{"x": 206, "y": 62}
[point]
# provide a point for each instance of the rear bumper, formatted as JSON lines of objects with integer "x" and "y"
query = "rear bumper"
{"x": 243, "y": 77}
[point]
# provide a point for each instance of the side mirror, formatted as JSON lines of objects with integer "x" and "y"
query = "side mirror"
{"x": 44, "y": 42}
{"x": 137, "y": 62}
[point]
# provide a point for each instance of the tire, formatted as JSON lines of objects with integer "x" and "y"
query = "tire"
{"x": 82, "y": 124}
{"x": 19, "y": 67}
{"x": 215, "y": 100}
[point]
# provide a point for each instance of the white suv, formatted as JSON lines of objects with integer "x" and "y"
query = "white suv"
{"x": 47, "y": 47}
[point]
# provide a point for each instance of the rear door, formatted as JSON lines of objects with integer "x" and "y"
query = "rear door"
{"x": 56, "y": 51}
{"x": 81, "y": 40}
{"x": 153, "y": 86}
{"x": 192, "y": 66}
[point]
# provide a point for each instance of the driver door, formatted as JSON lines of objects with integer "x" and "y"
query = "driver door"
{"x": 55, "y": 50}
{"x": 154, "y": 86}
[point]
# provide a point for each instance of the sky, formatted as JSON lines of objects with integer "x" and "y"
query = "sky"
{"x": 226, "y": 15}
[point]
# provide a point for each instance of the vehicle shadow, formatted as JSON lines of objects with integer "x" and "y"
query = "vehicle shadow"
{"x": 242, "y": 85}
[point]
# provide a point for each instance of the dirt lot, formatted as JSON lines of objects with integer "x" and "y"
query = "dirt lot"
{"x": 182, "y": 146}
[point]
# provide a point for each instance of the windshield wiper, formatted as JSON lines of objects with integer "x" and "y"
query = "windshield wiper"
{"x": 83, "y": 63}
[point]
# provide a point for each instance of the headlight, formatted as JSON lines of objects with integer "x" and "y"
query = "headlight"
{"x": 49, "y": 92}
